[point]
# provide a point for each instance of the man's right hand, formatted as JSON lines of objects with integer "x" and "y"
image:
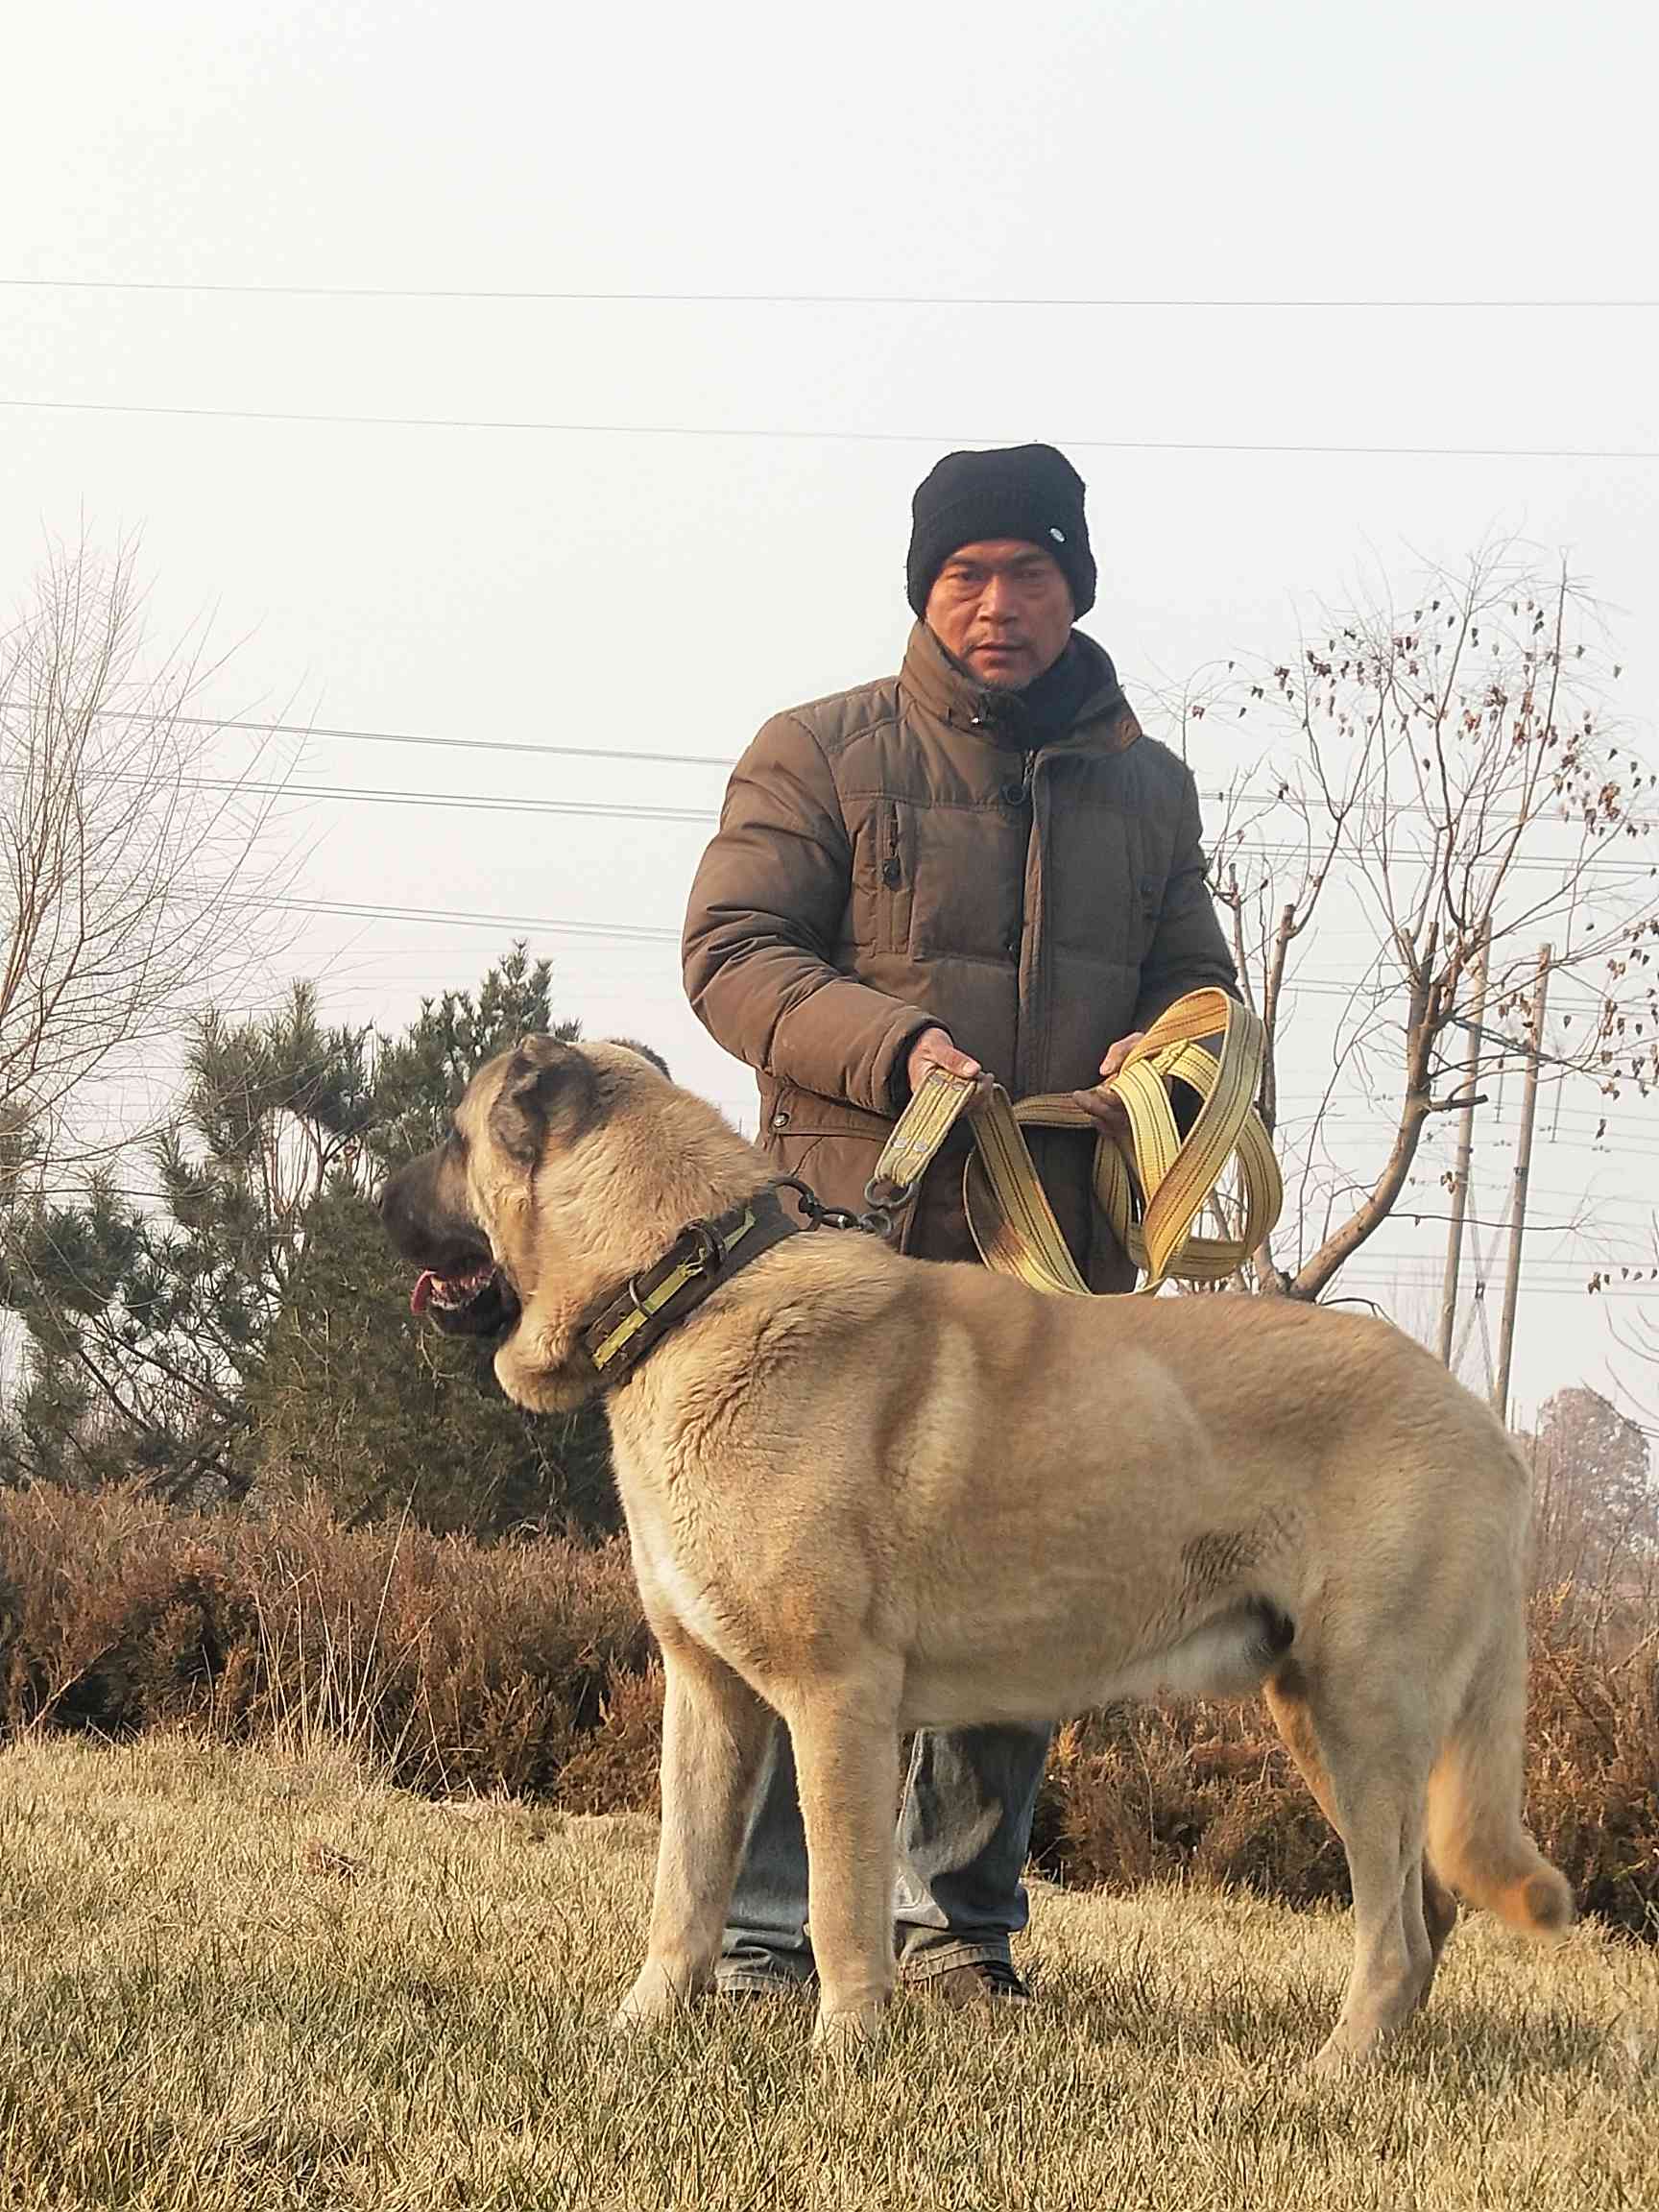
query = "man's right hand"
{"x": 933, "y": 1049}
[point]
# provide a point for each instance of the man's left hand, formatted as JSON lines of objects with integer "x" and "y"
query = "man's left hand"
{"x": 1102, "y": 1105}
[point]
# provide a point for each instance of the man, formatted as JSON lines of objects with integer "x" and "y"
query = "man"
{"x": 980, "y": 864}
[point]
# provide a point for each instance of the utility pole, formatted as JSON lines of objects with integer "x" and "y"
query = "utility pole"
{"x": 1518, "y": 1204}
{"x": 1465, "y": 1150}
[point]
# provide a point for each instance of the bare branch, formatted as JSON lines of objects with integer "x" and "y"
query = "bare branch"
{"x": 124, "y": 873}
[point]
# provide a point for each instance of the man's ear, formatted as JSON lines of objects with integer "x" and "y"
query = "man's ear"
{"x": 548, "y": 1089}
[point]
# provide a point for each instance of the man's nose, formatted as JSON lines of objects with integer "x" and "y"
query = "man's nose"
{"x": 996, "y": 601}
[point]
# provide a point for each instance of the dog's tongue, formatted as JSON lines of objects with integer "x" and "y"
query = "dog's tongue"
{"x": 421, "y": 1297}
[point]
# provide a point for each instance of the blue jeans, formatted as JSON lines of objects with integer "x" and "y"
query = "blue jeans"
{"x": 964, "y": 1831}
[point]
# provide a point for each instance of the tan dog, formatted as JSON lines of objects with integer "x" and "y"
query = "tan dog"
{"x": 870, "y": 1493}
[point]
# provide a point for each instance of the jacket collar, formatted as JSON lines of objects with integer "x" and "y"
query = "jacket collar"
{"x": 944, "y": 688}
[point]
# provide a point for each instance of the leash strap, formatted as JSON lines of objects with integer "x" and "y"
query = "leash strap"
{"x": 1152, "y": 1193}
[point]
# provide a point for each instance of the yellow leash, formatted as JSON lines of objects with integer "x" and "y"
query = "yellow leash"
{"x": 1151, "y": 1197}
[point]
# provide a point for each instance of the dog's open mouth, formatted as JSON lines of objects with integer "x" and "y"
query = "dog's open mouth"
{"x": 450, "y": 1293}
{"x": 480, "y": 1302}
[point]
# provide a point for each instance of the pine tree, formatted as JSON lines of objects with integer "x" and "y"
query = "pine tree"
{"x": 147, "y": 1320}
{"x": 418, "y": 1078}
{"x": 371, "y": 1404}
{"x": 250, "y": 1325}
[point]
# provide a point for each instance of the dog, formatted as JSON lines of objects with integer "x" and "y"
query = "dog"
{"x": 869, "y": 1492}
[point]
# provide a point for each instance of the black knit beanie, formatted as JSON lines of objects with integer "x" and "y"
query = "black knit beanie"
{"x": 1028, "y": 492}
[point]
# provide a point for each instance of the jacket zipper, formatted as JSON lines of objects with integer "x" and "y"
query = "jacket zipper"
{"x": 1028, "y": 777}
{"x": 892, "y": 862}
{"x": 892, "y": 875}
{"x": 1030, "y": 917}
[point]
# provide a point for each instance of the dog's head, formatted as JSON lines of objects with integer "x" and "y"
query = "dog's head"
{"x": 565, "y": 1169}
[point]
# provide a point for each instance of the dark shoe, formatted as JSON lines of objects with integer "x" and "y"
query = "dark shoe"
{"x": 770, "y": 1988}
{"x": 983, "y": 1981}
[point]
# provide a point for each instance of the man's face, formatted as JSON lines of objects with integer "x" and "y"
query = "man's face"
{"x": 1003, "y": 607}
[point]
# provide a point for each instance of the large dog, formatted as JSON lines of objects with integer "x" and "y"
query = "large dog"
{"x": 870, "y": 1493}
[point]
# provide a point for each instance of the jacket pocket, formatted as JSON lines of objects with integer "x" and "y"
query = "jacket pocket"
{"x": 830, "y": 1146}
{"x": 883, "y": 880}
{"x": 788, "y": 1113}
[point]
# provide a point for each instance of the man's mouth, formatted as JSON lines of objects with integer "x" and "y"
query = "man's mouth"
{"x": 450, "y": 1293}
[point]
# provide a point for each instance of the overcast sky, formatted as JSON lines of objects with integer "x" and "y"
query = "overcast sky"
{"x": 645, "y": 523}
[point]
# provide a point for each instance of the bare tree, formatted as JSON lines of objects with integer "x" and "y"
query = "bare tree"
{"x": 1641, "y": 1339}
{"x": 131, "y": 877}
{"x": 1595, "y": 1520}
{"x": 1437, "y": 779}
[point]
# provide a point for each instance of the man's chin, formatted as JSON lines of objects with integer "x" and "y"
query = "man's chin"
{"x": 1002, "y": 672}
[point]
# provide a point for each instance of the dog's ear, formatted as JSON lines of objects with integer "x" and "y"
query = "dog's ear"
{"x": 548, "y": 1087}
{"x": 646, "y": 1052}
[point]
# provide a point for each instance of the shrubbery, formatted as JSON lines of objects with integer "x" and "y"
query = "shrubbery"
{"x": 1208, "y": 1793}
{"x": 525, "y": 1668}
{"x": 454, "y": 1666}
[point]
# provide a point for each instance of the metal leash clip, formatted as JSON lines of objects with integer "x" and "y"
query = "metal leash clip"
{"x": 878, "y": 1221}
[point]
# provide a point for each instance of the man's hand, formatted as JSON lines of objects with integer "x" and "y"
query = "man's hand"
{"x": 1101, "y": 1105}
{"x": 933, "y": 1049}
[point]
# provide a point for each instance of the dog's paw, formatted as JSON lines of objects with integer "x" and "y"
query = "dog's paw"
{"x": 844, "y": 2034}
{"x": 1333, "y": 2061}
{"x": 655, "y": 2000}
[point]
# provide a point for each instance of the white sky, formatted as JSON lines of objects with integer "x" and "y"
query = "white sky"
{"x": 667, "y": 591}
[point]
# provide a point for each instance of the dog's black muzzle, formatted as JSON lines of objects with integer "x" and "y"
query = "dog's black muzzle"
{"x": 459, "y": 1284}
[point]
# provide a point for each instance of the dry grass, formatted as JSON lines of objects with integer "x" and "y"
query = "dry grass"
{"x": 525, "y": 1668}
{"x": 234, "y": 1978}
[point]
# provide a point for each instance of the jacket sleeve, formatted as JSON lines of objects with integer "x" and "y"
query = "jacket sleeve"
{"x": 1188, "y": 949}
{"x": 764, "y": 916}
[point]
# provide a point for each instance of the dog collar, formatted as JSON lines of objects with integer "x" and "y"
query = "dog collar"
{"x": 702, "y": 1257}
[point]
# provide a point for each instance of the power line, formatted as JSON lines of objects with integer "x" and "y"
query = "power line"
{"x": 624, "y": 932}
{"x": 347, "y": 734}
{"x": 405, "y": 737}
{"x": 1386, "y": 1283}
{"x": 629, "y": 932}
{"x": 1197, "y": 304}
{"x": 467, "y": 802}
{"x": 826, "y": 437}
{"x": 630, "y": 811}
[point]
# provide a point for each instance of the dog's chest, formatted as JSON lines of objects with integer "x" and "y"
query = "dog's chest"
{"x": 686, "y": 1595}
{"x": 666, "y": 1558}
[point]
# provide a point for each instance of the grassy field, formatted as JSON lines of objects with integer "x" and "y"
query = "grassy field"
{"x": 245, "y": 1980}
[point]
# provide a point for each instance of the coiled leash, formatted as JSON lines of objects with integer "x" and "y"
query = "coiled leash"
{"x": 1152, "y": 1193}
{"x": 1151, "y": 1196}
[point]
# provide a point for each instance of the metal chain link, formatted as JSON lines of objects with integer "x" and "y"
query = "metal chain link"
{"x": 876, "y": 1221}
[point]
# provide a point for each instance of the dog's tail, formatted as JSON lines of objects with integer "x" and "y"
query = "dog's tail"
{"x": 1476, "y": 1838}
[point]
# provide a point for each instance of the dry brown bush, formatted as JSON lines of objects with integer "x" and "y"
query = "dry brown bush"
{"x": 613, "y": 1768}
{"x": 1207, "y": 1793}
{"x": 452, "y": 1665}
{"x": 525, "y": 1668}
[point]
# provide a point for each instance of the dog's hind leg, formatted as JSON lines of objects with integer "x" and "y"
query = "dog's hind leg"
{"x": 1370, "y": 1778}
{"x": 1428, "y": 1909}
{"x": 846, "y": 1739}
{"x": 1384, "y": 1850}
{"x": 714, "y": 1731}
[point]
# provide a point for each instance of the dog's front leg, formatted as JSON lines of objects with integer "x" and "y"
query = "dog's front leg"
{"x": 714, "y": 1731}
{"x": 845, "y": 1738}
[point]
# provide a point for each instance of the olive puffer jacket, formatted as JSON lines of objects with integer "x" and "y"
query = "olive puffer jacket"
{"x": 900, "y": 855}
